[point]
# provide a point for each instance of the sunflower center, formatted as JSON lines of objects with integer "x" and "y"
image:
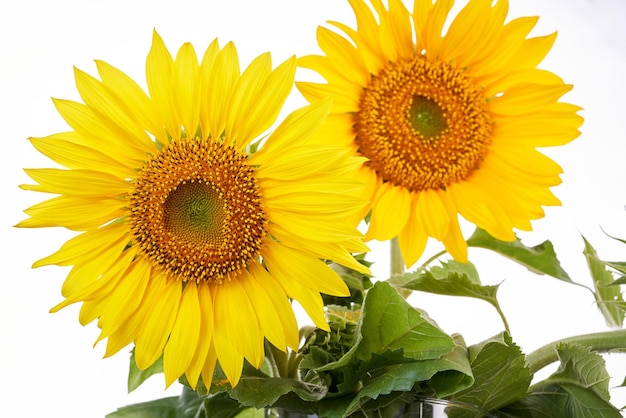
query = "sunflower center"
{"x": 426, "y": 117}
{"x": 196, "y": 210}
{"x": 423, "y": 125}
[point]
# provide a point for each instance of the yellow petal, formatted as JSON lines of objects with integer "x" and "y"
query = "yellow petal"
{"x": 345, "y": 97}
{"x": 432, "y": 214}
{"x": 160, "y": 79}
{"x": 300, "y": 124}
{"x": 76, "y": 182}
{"x": 237, "y": 323}
{"x": 206, "y": 68}
{"x": 187, "y": 97}
{"x": 412, "y": 242}
{"x": 74, "y": 213}
{"x": 84, "y": 244}
{"x": 244, "y": 97}
{"x": 68, "y": 150}
{"x": 342, "y": 52}
{"x": 209, "y": 366}
{"x": 159, "y": 313}
{"x": 276, "y": 295}
{"x": 305, "y": 269}
{"x": 390, "y": 212}
{"x": 263, "y": 109}
{"x": 183, "y": 340}
{"x": 221, "y": 84}
{"x": 206, "y": 335}
{"x": 269, "y": 320}
{"x": 138, "y": 103}
{"x": 310, "y": 300}
{"x": 97, "y": 133}
{"x": 125, "y": 298}
{"x": 112, "y": 112}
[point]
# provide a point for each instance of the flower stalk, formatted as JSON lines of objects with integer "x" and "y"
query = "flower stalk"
{"x": 603, "y": 342}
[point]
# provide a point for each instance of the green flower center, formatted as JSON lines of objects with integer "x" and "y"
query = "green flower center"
{"x": 426, "y": 117}
{"x": 197, "y": 212}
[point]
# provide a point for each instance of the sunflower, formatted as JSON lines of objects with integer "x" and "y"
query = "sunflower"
{"x": 190, "y": 244}
{"x": 449, "y": 123}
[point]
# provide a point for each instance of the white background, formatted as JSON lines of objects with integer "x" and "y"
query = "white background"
{"x": 47, "y": 364}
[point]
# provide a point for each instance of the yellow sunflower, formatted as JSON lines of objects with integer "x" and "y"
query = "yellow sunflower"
{"x": 450, "y": 123}
{"x": 190, "y": 244}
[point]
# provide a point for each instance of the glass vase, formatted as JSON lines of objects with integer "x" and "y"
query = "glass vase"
{"x": 419, "y": 408}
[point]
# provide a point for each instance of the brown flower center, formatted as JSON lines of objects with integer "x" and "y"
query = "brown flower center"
{"x": 423, "y": 125}
{"x": 196, "y": 210}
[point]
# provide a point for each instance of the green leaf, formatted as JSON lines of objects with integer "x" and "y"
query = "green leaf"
{"x": 578, "y": 389}
{"x": 259, "y": 392}
{"x": 159, "y": 408}
{"x": 220, "y": 405}
{"x": 187, "y": 405}
{"x": 450, "y": 280}
{"x": 500, "y": 373}
{"x": 617, "y": 265}
{"x": 540, "y": 259}
{"x": 391, "y": 372}
{"x": 609, "y": 298}
{"x": 251, "y": 413}
{"x": 137, "y": 376}
{"x": 463, "y": 269}
{"x": 389, "y": 323}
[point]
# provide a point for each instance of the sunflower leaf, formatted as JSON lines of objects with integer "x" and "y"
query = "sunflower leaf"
{"x": 136, "y": 376}
{"x": 578, "y": 389}
{"x": 159, "y": 408}
{"x": 451, "y": 279}
{"x": 187, "y": 405}
{"x": 262, "y": 391}
{"x": 500, "y": 373}
{"x": 220, "y": 405}
{"x": 389, "y": 323}
{"x": 403, "y": 377}
{"x": 540, "y": 259}
{"x": 609, "y": 298}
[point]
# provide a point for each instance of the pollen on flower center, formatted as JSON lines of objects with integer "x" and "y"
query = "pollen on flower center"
{"x": 196, "y": 210}
{"x": 423, "y": 125}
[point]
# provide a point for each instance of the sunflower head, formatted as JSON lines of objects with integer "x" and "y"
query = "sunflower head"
{"x": 449, "y": 122}
{"x": 190, "y": 246}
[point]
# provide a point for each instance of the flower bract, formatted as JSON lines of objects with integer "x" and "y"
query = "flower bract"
{"x": 197, "y": 223}
{"x": 450, "y": 112}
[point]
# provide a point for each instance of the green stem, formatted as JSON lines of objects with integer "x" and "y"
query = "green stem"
{"x": 602, "y": 342}
{"x": 430, "y": 260}
{"x": 396, "y": 260}
{"x": 396, "y": 264}
{"x": 502, "y": 317}
{"x": 278, "y": 361}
